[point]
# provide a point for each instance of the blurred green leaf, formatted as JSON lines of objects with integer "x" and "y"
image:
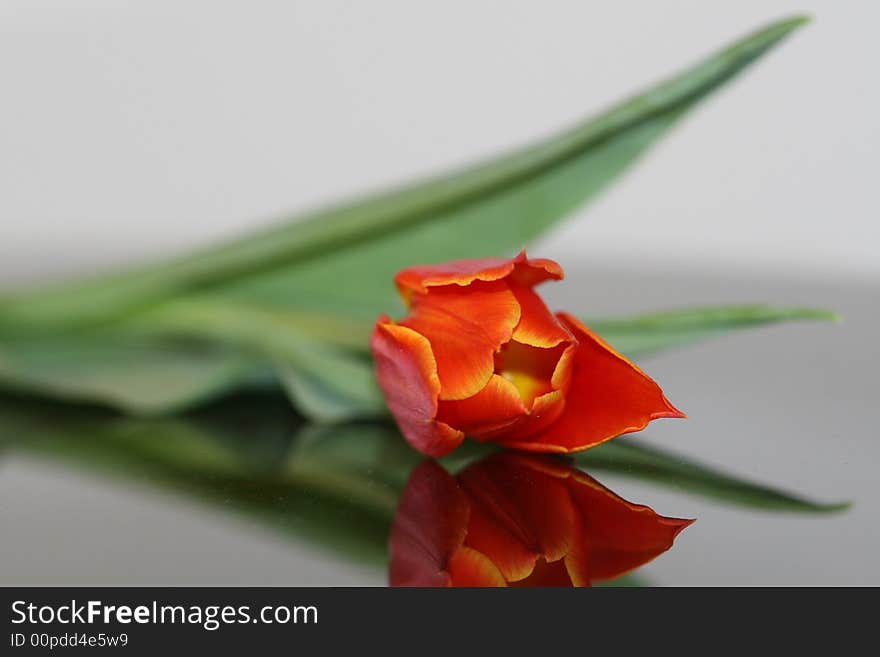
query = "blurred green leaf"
{"x": 343, "y": 509}
{"x": 332, "y": 385}
{"x": 628, "y": 457}
{"x": 299, "y": 299}
{"x": 497, "y": 207}
{"x": 342, "y": 259}
{"x": 139, "y": 376}
{"x": 191, "y": 351}
{"x": 641, "y": 335}
{"x": 326, "y": 382}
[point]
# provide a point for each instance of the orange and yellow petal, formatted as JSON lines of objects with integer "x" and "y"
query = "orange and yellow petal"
{"x": 470, "y": 567}
{"x": 512, "y": 551}
{"x": 578, "y": 561}
{"x": 465, "y": 327}
{"x": 546, "y": 574}
{"x": 609, "y": 396}
{"x": 537, "y": 326}
{"x": 621, "y": 535}
{"x": 496, "y": 408}
{"x": 530, "y": 369}
{"x": 545, "y": 410}
{"x": 407, "y": 374}
{"x": 520, "y": 401}
{"x": 519, "y": 515}
{"x": 417, "y": 280}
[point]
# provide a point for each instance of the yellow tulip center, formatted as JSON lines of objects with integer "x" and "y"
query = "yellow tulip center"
{"x": 529, "y": 369}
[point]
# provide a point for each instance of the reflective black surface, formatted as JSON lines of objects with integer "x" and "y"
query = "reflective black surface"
{"x": 243, "y": 493}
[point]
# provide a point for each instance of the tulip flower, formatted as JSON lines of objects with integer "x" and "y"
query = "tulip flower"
{"x": 520, "y": 520}
{"x": 480, "y": 354}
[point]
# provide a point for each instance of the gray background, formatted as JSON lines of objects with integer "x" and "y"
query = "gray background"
{"x": 135, "y": 129}
{"x": 131, "y": 129}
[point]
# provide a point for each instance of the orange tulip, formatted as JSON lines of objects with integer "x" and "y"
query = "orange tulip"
{"x": 519, "y": 520}
{"x": 481, "y": 355}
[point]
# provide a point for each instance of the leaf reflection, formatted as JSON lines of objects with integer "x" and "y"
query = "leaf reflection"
{"x": 338, "y": 486}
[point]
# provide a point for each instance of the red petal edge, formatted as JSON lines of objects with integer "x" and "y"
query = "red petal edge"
{"x": 429, "y": 528}
{"x": 465, "y": 327}
{"x": 407, "y": 374}
{"x": 463, "y": 272}
{"x": 609, "y": 396}
{"x": 623, "y": 535}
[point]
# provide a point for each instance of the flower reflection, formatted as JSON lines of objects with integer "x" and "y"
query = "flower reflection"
{"x": 519, "y": 520}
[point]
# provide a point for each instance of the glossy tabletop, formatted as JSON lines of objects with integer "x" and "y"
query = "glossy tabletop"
{"x": 780, "y": 434}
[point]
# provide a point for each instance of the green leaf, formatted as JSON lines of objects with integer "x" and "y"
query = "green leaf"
{"x": 139, "y": 376}
{"x": 642, "y": 335}
{"x": 380, "y": 450}
{"x": 326, "y": 383}
{"x": 151, "y": 370}
{"x": 628, "y": 457}
{"x": 332, "y": 385}
{"x": 156, "y": 372}
{"x": 343, "y": 509}
{"x": 301, "y": 297}
{"x": 342, "y": 259}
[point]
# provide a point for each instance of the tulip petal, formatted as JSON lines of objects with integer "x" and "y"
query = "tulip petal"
{"x": 545, "y": 410}
{"x": 495, "y": 408}
{"x": 429, "y": 528}
{"x": 609, "y": 396}
{"x": 561, "y": 379}
{"x": 499, "y": 410}
{"x": 519, "y": 515}
{"x": 495, "y": 533}
{"x": 530, "y": 369}
{"x": 464, "y": 272}
{"x": 622, "y": 535}
{"x": 537, "y": 326}
{"x": 546, "y": 574}
{"x": 578, "y": 561}
{"x": 470, "y": 567}
{"x": 407, "y": 374}
{"x": 465, "y": 327}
